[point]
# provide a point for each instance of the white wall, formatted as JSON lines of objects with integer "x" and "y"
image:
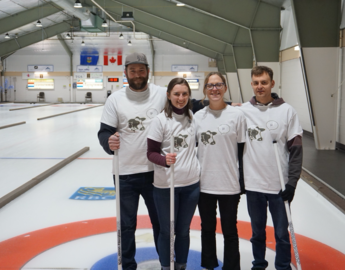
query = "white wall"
{"x": 18, "y": 63}
{"x": 342, "y": 102}
{"x": 293, "y": 91}
{"x": 288, "y": 36}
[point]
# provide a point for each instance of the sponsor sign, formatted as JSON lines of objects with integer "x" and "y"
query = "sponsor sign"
{"x": 193, "y": 84}
{"x": 184, "y": 68}
{"x": 89, "y": 68}
{"x": 94, "y": 194}
{"x": 96, "y": 75}
{"x": 40, "y": 68}
{"x": 79, "y": 76}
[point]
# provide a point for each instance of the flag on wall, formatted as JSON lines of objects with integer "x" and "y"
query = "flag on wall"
{"x": 112, "y": 60}
{"x": 89, "y": 58}
{"x": 105, "y": 60}
{"x": 119, "y": 59}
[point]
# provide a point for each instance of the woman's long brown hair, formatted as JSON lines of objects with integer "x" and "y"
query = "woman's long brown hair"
{"x": 168, "y": 109}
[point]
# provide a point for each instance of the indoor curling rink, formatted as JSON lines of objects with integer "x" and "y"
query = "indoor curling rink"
{"x": 68, "y": 221}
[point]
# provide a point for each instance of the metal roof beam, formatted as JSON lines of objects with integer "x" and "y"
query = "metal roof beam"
{"x": 27, "y": 16}
{"x": 34, "y": 37}
{"x": 209, "y": 26}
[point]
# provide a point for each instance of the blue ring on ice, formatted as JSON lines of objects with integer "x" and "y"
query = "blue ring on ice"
{"x": 149, "y": 254}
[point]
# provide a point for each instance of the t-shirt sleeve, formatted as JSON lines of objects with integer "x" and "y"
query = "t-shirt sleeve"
{"x": 294, "y": 128}
{"x": 109, "y": 115}
{"x": 241, "y": 129}
{"x": 156, "y": 130}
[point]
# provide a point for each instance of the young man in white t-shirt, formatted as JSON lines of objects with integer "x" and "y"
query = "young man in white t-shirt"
{"x": 270, "y": 119}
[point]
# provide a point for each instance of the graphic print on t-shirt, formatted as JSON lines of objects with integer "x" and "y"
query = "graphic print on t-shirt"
{"x": 136, "y": 123}
{"x": 224, "y": 128}
{"x": 272, "y": 125}
{"x": 180, "y": 141}
{"x": 151, "y": 113}
{"x": 254, "y": 133}
{"x": 207, "y": 137}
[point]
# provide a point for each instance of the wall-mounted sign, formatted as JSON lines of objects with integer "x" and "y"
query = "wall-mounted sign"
{"x": 184, "y": 68}
{"x": 34, "y": 84}
{"x": 90, "y": 84}
{"x": 89, "y": 68}
{"x": 96, "y": 75}
{"x": 79, "y": 76}
{"x": 111, "y": 79}
{"x": 193, "y": 84}
{"x": 40, "y": 68}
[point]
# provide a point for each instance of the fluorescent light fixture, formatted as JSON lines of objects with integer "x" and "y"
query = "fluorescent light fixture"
{"x": 104, "y": 24}
{"x": 129, "y": 43}
{"x": 121, "y": 36}
{"x": 83, "y": 43}
{"x": 39, "y": 24}
{"x": 296, "y": 48}
{"x": 68, "y": 36}
{"x": 180, "y": 4}
{"x": 77, "y": 4}
{"x": 7, "y": 36}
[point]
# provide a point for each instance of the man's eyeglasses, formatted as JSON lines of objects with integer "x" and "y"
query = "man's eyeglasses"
{"x": 210, "y": 86}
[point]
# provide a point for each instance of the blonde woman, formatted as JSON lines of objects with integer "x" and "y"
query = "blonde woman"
{"x": 220, "y": 131}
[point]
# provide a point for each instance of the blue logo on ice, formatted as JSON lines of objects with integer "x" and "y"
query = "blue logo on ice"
{"x": 94, "y": 193}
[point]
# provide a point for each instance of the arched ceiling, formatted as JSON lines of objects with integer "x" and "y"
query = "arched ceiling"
{"x": 234, "y": 32}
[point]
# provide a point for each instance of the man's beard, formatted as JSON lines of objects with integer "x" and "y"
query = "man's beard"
{"x": 138, "y": 83}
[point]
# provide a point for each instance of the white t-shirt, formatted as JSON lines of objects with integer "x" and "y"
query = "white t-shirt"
{"x": 264, "y": 125}
{"x": 218, "y": 132}
{"x": 131, "y": 113}
{"x": 187, "y": 168}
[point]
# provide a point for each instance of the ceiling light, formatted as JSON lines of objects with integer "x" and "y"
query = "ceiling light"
{"x": 104, "y": 24}
{"x": 77, "y": 4}
{"x": 121, "y": 36}
{"x": 68, "y": 36}
{"x": 83, "y": 43}
{"x": 180, "y": 4}
{"x": 129, "y": 43}
{"x": 7, "y": 36}
{"x": 296, "y": 48}
{"x": 39, "y": 24}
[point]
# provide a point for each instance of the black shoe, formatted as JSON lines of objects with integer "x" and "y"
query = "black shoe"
{"x": 258, "y": 268}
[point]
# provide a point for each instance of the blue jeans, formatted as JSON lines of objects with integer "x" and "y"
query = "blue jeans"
{"x": 131, "y": 187}
{"x": 186, "y": 199}
{"x": 228, "y": 205}
{"x": 257, "y": 208}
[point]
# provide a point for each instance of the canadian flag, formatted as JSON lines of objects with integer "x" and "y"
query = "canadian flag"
{"x": 119, "y": 59}
{"x": 112, "y": 60}
{"x": 105, "y": 60}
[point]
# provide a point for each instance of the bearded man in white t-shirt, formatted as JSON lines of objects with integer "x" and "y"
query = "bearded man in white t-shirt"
{"x": 127, "y": 115}
{"x": 270, "y": 119}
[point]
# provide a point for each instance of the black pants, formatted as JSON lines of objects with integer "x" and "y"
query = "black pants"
{"x": 228, "y": 205}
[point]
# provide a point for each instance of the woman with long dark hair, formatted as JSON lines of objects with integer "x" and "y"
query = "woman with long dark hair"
{"x": 220, "y": 130}
{"x": 176, "y": 120}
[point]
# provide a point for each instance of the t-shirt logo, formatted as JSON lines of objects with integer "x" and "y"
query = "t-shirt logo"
{"x": 180, "y": 142}
{"x": 151, "y": 113}
{"x": 207, "y": 137}
{"x": 255, "y": 133}
{"x": 136, "y": 123}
